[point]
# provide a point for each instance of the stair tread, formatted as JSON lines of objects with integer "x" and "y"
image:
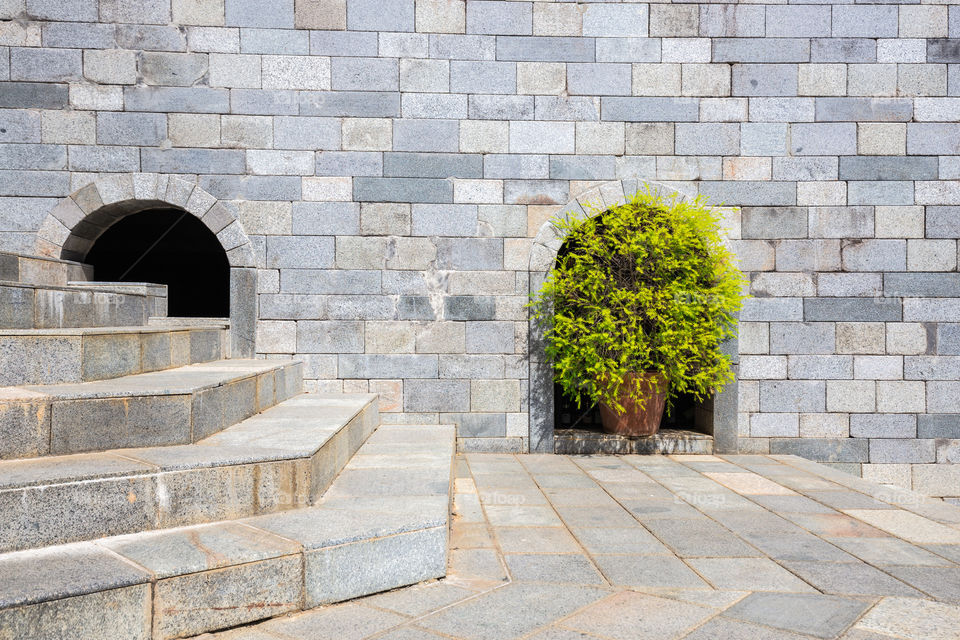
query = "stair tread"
{"x": 182, "y": 380}
{"x": 346, "y": 514}
{"x": 295, "y": 428}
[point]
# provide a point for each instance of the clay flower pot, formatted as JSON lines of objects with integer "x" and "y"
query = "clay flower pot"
{"x": 635, "y": 420}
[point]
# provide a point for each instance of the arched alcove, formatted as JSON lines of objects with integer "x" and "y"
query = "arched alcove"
{"x": 118, "y": 206}
{"x": 167, "y": 246}
{"x": 717, "y": 417}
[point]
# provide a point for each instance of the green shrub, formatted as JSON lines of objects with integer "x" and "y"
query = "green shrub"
{"x": 647, "y": 286}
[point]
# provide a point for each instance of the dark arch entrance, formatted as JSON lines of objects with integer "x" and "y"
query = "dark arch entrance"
{"x": 167, "y": 246}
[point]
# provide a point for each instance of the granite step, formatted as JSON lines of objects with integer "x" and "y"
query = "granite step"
{"x": 382, "y": 524}
{"x": 175, "y": 406}
{"x": 42, "y": 306}
{"x": 56, "y": 356}
{"x": 28, "y": 269}
{"x": 280, "y": 459}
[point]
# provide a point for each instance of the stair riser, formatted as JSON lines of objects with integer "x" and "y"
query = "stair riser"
{"x": 36, "y": 270}
{"x": 32, "y": 308}
{"x": 30, "y": 429}
{"x": 117, "y": 614}
{"x": 85, "y": 358}
{"x": 57, "y": 514}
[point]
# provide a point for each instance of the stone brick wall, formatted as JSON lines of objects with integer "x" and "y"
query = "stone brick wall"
{"x": 392, "y": 160}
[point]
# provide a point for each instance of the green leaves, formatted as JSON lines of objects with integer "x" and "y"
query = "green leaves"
{"x": 645, "y": 286}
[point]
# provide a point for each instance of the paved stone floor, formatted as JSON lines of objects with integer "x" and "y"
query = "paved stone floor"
{"x": 696, "y": 547}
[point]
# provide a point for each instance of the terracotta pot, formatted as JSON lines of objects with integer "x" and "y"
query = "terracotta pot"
{"x": 635, "y": 421}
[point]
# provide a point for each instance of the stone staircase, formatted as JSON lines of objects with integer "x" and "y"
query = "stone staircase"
{"x": 152, "y": 487}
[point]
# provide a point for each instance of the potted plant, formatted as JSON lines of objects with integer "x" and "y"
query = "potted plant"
{"x": 637, "y": 306}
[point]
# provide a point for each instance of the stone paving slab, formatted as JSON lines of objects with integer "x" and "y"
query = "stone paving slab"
{"x": 670, "y": 547}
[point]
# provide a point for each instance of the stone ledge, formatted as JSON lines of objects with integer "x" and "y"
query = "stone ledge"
{"x": 281, "y": 459}
{"x": 175, "y": 406}
{"x": 666, "y": 441}
{"x": 191, "y": 580}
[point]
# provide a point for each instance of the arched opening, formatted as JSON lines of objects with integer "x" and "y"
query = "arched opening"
{"x": 167, "y": 246}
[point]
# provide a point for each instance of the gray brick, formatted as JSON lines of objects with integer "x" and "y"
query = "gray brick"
{"x": 774, "y": 222}
{"x": 34, "y": 183}
{"x": 434, "y": 105}
{"x": 944, "y": 49}
{"x": 943, "y": 396}
{"x": 536, "y": 192}
{"x": 104, "y": 158}
{"x": 314, "y": 252}
{"x": 928, "y": 138}
{"x": 599, "y": 79}
{"x": 930, "y": 310}
{"x": 615, "y": 20}
{"x": 748, "y": 193}
{"x": 326, "y": 218}
{"x": 252, "y": 187}
{"x": 193, "y": 161}
{"x": 19, "y": 126}
{"x": 172, "y": 69}
{"x": 766, "y": 50}
{"x": 444, "y": 220}
{"x": 763, "y": 139}
{"x": 33, "y": 156}
{"x": 843, "y": 50}
{"x": 469, "y": 308}
{"x": 45, "y": 65}
{"x": 811, "y": 168}
{"x": 865, "y": 21}
{"x": 496, "y": 17}
{"x": 387, "y": 366}
{"x": 306, "y": 133}
{"x": 880, "y": 193}
{"x": 520, "y": 166}
{"x": 260, "y": 102}
{"x": 478, "y": 425}
{"x": 841, "y": 222}
{"x": 357, "y": 104}
{"x": 320, "y": 336}
{"x": 912, "y": 285}
{"x": 822, "y": 449}
{"x": 931, "y": 367}
{"x": 73, "y": 10}
{"x": 821, "y": 367}
{"x": 545, "y": 49}
{"x": 943, "y": 222}
{"x": 145, "y": 129}
{"x": 424, "y": 75}
{"x": 893, "y": 450}
{"x": 350, "y": 163}
{"x": 501, "y": 107}
{"x": 319, "y": 281}
{"x": 432, "y": 165}
{"x": 805, "y": 396}
{"x": 150, "y": 38}
{"x": 582, "y": 167}
{"x": 874, "y": 255}
{"x": 364, "y": 74}
{"x": 938, "y": 426}
{"x": 851, "y": 310}
{"x": 275, "y": 41}
{"x": 868, "y": 425}
{"x": 567, "y": 108}
{"x": 714, "y": 139}
{"x": 782, "y": 109}
{"x": 372, "y": 15}
{"x": 650, "y": 109}
{"x": 79, "y": 35}
{"x": 490, "y": 337}
{"x": 177, "y": 99}
{"x": 250, "y": 13}
{"x": 415, "y": 308}
{"x": 888, "y": 168}
{"x": 483, "y": 77}
{"x": 732, "y": 20}
{"x": 802, "y": 338}
{"x": 436, "y": 395}
{"x": 947, "y": 338}
{"x": 463, "y": 47}
{"x": 343, "y": 43}
{"x": 864, "y": 109}
{"x": 426, "y": 135}
{"x": 137, "y": 11}
{"x": 798, "y": 21}
{"x": 628, "y": 50}
{"x": 471, "y": 254}
{"x": 402, "y": 190}
{"x": 827, "y": 139}
{"x": 764, "y": 80}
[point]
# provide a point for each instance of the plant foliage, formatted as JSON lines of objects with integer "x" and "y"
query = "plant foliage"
{"x": 647, "y": 286}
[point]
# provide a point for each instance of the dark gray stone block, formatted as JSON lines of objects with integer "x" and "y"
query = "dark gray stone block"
{"x": 852, "y": 310}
